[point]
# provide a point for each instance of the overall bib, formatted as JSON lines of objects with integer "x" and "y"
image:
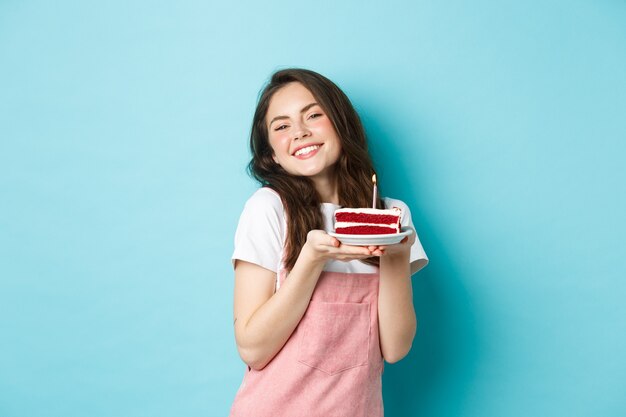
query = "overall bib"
{"x": 331, "y": 365}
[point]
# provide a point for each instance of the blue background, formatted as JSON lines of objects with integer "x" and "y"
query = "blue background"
{"x": 123, "y": 143}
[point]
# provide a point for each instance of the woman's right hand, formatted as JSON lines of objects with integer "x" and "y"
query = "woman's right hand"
{"x": 321, "y": 247}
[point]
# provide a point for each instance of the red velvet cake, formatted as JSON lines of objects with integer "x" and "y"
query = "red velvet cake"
{"x": 367, "y": 221}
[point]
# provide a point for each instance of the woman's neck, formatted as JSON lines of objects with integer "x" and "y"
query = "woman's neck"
{"x": 327, "y": 189}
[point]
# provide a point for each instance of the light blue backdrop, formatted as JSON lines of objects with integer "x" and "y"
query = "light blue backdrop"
{"x": 123, "y": 142}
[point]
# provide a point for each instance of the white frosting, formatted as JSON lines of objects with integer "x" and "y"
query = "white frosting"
{"x": 352, "y": 224}
{"x": 394, "y": 211}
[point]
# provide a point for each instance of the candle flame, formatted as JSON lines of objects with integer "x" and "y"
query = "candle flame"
{"x": 374, "y": 178}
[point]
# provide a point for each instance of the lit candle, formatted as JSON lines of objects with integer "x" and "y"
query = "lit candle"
{"x": 375, "y": 192}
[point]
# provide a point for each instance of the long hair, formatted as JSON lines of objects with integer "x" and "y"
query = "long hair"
{"x": 352, "y": 172}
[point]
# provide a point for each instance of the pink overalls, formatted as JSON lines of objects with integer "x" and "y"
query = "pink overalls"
{"x": 331, "y": 365}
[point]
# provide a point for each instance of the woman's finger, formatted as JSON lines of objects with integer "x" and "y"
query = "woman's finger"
{"x": 350, "y": 251}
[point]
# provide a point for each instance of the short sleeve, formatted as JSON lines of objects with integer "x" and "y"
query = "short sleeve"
{"x": 417, "y": 250}
{"x": 260, "y": 233}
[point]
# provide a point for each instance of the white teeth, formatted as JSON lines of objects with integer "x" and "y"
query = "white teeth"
{"x": 306, "y": 150}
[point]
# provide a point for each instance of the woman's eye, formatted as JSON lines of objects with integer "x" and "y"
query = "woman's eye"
{"x": 315, "y": 115}
{"x": 281, "y": 127}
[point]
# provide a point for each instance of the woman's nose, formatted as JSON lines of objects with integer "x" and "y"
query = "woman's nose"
{"x": 301, "y": 131}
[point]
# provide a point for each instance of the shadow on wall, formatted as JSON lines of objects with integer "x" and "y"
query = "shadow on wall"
{"x": 436, "y": 375}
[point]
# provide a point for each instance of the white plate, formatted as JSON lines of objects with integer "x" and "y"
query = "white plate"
{"x": 367, "y": 240}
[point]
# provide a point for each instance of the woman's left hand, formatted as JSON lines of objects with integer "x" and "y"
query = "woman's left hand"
{"x": 399, "y": 248}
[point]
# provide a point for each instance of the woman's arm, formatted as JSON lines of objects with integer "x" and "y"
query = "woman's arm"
{"x": 396, "y": 315}
{"x": 264, "y": 320}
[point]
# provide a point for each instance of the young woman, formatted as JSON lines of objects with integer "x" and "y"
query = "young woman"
{"x": 315, "y": 318}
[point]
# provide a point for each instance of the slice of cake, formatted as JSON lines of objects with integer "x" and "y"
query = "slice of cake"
{"x": 367, "y": 221}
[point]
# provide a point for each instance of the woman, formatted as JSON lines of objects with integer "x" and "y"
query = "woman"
{"x": 314, "y": 318}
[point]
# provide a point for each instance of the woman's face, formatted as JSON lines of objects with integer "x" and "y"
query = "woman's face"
{"x": 301, "y": 135}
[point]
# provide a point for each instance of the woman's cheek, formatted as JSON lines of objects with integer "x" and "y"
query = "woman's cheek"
{"x": 283, "y": 140}
{"x": 280, "y": 142}
{"x": 325, "y": 123}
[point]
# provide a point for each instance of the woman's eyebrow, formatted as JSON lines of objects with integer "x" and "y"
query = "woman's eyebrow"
{"x": 304, "y": 109}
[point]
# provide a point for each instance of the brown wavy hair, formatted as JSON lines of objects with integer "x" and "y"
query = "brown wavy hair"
{"x": 352, "y": 172}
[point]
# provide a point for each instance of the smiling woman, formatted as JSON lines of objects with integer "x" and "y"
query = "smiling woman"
{"x": 314, "y": 318}
{"x": 304, "y": 139}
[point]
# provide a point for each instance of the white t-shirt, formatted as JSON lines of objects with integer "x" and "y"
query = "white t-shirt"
{"x": 261, "y": 233}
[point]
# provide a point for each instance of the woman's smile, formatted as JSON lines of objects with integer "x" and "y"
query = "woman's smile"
{"x": 307, "y": 151}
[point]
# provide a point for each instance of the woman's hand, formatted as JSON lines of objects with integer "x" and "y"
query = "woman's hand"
{"x": 320, "y": 247}
{"x": 404, "y": 247}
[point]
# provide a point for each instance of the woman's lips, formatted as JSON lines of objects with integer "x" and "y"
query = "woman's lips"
{"x": 308, "y": 151}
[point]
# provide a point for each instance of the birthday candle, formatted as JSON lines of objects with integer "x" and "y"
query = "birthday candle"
{"x": 375, "y": 194}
